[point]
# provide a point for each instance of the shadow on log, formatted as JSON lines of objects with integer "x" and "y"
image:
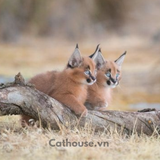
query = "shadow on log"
{"x": 18, "y": 98}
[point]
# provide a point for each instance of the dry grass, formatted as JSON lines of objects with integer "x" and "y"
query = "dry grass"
{"x": 33, "y": 143}
{"x": 32, "y": 57}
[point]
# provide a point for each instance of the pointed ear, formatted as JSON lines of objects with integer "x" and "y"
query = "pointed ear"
{"x": 97, "y": 48}
{"x": 120, "y": 60}
{"x": 98, "y": 58}
{"x": 100, "y": 61}
{"x": 75, "y": 60}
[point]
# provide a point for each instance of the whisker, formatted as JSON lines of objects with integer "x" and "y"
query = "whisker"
{"x": 119, "y": 87}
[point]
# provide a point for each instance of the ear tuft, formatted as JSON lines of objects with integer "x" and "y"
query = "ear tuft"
{"x": 97, "y": 48}
{"x": 120, "y": 60}
{"x": 75, "y": 60}
{"x": 100, "y": 61}
{"x": 77, "y": 45}
{"x": 98, "y": 58}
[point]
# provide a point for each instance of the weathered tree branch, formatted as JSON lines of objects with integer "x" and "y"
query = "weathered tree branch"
{"x": 19, "y": 98}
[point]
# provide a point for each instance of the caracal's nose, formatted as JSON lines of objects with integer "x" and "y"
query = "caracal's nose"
{"x": 93, "y": 78}
{"x": 113, "y": 80}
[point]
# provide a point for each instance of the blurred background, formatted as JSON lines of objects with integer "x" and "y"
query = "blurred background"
{"x": 38, "y": 35}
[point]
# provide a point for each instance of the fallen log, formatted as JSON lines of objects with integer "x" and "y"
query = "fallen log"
{"x": 18, "y": 98}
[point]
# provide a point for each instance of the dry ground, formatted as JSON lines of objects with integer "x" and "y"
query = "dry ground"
{"x": 140, "y": 83}
{"x": 33, "y": 143}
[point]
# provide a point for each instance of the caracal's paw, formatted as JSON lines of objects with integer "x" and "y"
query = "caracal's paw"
{"x": 85, "y": 113}
{"x": 102, "y": 109}
{"x": 82, "y": 113}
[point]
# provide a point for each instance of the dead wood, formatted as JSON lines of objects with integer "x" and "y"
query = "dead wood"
{"x": 18, "y": 98}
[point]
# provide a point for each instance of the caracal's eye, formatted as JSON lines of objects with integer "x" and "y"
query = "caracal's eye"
{"x": 87, "y": 72}
{"x": 117, "y": 75}
{"x": 108, "y": 74}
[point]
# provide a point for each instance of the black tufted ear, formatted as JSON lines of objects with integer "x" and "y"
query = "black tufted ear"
{"x": 76, "y": 59}
{"x": 98, "y": 58}
{"x": 120, "y": 60}
{"x": 100, "y": 61}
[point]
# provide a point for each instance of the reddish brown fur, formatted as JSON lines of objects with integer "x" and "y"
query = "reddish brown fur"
{"x": 99, "y": 94}
{"x": 68, "y": 87}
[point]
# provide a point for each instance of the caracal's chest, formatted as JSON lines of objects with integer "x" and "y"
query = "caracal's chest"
{"x": 80, "y": 93}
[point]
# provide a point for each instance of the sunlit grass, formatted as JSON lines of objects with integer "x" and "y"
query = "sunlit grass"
{"x": 33, "y": 143}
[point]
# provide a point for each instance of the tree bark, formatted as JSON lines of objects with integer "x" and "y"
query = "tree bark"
{"x": 18, "y": 98}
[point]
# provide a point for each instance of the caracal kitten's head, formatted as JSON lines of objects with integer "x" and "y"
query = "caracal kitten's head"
{"x": 83, "y": 69}
{"x": 109, "y": 74}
